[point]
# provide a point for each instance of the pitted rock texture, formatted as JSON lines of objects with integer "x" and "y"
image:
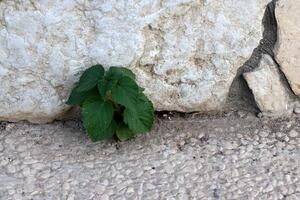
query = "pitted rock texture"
{"x": 269, "y": 91}
{"x": 184, "y": 52}
{"x": 182, "y": 158}
{"x": 288, "y": 45}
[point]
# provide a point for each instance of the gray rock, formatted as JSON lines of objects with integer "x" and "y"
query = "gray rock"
{"x": 184, "y": 52}
{"x": 270, "y": 94}
{"x": 288, "y": 45}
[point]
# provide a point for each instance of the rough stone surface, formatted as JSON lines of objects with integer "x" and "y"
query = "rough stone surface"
{"x": 288, "y": 46}
{"x": 267, "y": 88}
{"x": 184, "y": 52}
{"x": 182, "y": 158}
{"x": 297, "y": 110}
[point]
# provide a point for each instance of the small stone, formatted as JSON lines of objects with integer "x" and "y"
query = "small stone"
{"x": 130, "y": 190}
{"x": 46, "y": 174}
{"x": 241, "y": 113}
{"x": 89, "y": 165}
{"x": 269, "y": 188}
{"x": 293, "y": 133}
{"x": 231, "y": 145}
{"x": 284, "y": 190}
{"x": 150, "y": 186}
{"x": 279, "y": 134}
{"x": 297, "y": 110}
{"x": 264, "y": 134}
{"x": 21, "y": 148}
{"x": 17, "y": 197}
{"x": 10, "y": 126}
{"x": 71, "y": 197}
{"x": 288, "y": 179}
{"x": 105, "y": 197}
{"x": 38, "y": 166}
{"x": 66, "y": 186}
{"x": 260, "y": 115}
{"x": 26, "y": 171}
{"x": 11, "y": 169}
{"x": 280, "y": 144}
{"x": 286, "y": 138}
{"x": 55, "y": 165}
{"x": 11, "y": 192}
{"x": 222, "y": 167}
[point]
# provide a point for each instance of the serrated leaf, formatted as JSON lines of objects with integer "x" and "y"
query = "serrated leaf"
{"x": 118, "y": 72}
{"x": 140, "y": 118}
{"x": 105, "y": 134}
{"x": 124, "y": 133}
{"x": 90, "y": 78}
{"x": 97, "y": 117}
{"x": 77, "y": 98}
{"x": 125, "y": 92}
{"x": 125, "y": 98}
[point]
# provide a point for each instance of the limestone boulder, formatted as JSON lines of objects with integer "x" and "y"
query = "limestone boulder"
{"x": 288, "y": 45}
{"x": 270, "y": 94}
{"x": 184, "y": 52}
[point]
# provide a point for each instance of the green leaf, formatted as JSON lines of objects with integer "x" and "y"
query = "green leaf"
{"x": 97, "y": 117}
{"x": 125, "y": 92}
{"x": 109, "y": 99}
{"x": 140, "y": 118}
{"x": 118, "y": 72}
{"x": 76, "y": 98}
{"x": 105, "y": 134}
{"x": 90, "y": 78}
{"x": 124, "y": 133}
{"x": 141, "y": 89}
{"x": 105, "y": 85}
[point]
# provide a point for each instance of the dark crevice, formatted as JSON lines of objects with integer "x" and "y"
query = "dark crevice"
{"x": 285, "y": 82}
{"x": 267, "y": 43}
{"x": 240, "y": 95}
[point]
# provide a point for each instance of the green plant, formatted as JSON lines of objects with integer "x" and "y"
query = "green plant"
{"x": 112, "y": 103}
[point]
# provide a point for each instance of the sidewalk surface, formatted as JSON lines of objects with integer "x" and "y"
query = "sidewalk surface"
{"x": 234, "y": 156}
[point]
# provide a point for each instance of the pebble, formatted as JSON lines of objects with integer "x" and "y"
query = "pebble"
{"x": 11, "y": 169}
{"x": 293, "y": 133}
{"x": 264, "y": 134}
{"x": 10, "y": 126}
{"x": 11, "y": 192}
{"x": 269, "y": 188}
{"x": 230, "y": 145}
{"x": 130, "y": 190}
{"x": 38, "y": 166}
{"x": 297, "y": 110}
{"x": 260, "y": 115}
{"x": 150, "y": 186}
{"x": 26, "y": 171}
{"x": 241, "y": 114}
{"x": 46, "y": 174}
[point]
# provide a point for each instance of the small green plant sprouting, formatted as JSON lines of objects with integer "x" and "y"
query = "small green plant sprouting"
{"x": 112, "y": 104}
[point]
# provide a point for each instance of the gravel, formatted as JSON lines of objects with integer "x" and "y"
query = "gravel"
{"x": 184, "y": 157}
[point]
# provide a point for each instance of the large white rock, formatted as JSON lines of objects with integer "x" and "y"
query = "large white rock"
{"x": 288, "y": 45}
{"x": 268, "y": 89}
{"x": 184, "y": 52}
